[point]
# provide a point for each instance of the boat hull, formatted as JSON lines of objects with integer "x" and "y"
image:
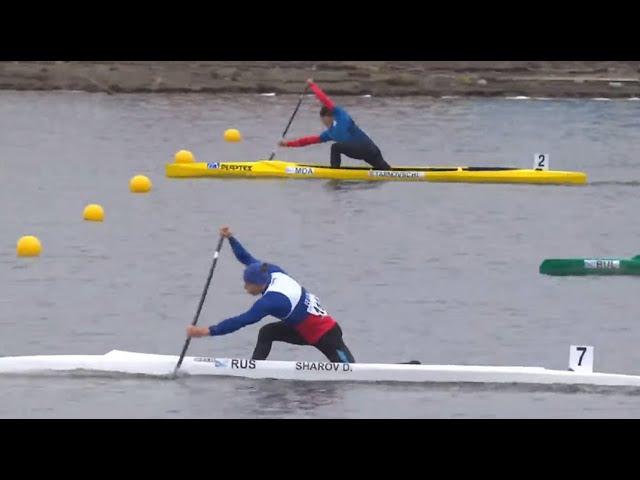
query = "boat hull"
{"x": 120, "y": 362}
{"x": 280, "y": 169}
{"x": 590, "y": 266}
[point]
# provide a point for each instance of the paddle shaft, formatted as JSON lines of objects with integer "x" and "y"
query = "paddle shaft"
{"x": 204, "y": 295}
{"x": 284, "y": 134}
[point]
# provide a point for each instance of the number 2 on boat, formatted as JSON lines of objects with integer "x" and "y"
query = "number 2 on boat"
{"x": 541, "y": 161}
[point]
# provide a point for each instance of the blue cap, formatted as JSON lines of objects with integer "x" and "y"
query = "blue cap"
{"x": 256, "y": 274}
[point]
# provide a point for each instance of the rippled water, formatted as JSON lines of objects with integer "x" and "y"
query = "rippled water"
{"x": 442, "y": 273}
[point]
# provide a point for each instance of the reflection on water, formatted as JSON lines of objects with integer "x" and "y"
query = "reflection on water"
{"x": 277, "y": 398}
{"x": 346, "y": 185}
{"x": 265, "y": 397}
{"x": 604, "y": 183}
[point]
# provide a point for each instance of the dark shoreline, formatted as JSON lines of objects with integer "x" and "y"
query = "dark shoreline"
{"x": 483, "y": 79}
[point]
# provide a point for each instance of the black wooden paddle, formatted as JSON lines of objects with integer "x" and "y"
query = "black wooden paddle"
{"x": 204, "y": 294}
{"x": 284, "y": 134}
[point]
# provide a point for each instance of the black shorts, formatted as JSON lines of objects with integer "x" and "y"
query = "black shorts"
{"x": 330, "y": 344}
{"x": 368, "y": 152}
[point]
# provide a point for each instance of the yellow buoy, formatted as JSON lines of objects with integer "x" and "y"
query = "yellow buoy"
{"x": 28, "y": 246}
{"x": 140, "y": 184}
{"x": 183, "y": 156}
{"x": 93, "y": 213}
{"x": 232, "y": 135}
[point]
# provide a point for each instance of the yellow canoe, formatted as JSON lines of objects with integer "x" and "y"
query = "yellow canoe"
{"x": 281, "y": 169}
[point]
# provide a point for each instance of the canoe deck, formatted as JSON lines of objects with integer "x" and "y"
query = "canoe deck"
{"x": 281, "y": 169}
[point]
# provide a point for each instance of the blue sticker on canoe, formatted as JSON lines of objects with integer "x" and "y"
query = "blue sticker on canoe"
{"x": 213, "y": 165}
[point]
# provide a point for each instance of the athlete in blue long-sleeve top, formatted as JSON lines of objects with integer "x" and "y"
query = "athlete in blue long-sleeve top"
{"x": 303, "y": 320}
{"x": 349, "y": 138}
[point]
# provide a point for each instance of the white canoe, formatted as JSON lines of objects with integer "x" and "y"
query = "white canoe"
{"x": 120, "y": 362}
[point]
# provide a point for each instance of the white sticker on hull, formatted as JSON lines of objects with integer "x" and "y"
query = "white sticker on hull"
{"x": 217, "y": 363}
{"x": 602, "y": 264}
{"x": 237, "y": 364}
{"x": 395, "y": 174}
{"x": 324, "y": 366}
{"x": 299, "y": 170}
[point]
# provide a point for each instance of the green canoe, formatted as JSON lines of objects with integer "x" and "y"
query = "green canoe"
{"x": 591, "y": 266}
